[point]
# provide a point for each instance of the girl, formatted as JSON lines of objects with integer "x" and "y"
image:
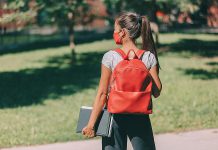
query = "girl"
{"x": 127, "y": 28}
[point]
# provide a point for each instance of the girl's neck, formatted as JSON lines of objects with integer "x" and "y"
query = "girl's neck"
{"x": 129, "y": 45}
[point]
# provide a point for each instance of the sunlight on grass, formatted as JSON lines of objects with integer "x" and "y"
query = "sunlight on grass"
{"x": 41, "y": 93}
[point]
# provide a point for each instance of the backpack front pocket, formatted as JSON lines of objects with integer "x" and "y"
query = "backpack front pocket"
{"x": 129, "y": 102}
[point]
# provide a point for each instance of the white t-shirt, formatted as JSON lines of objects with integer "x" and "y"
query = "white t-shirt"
{"x": 111, "y": 58}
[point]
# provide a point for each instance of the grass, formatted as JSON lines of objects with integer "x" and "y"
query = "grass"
{"x": 41, "y": 93}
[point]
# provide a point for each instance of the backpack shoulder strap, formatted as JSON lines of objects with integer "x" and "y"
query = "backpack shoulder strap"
{"x": 140, "y": 53}
{"x": 121, "y": 52}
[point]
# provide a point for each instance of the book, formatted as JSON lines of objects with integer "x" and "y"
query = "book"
{"x": 103, "y": 125}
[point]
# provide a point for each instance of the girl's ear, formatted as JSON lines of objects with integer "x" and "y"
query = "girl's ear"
{"x": 123, "y": 31}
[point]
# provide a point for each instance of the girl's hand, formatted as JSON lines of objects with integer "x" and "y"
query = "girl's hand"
{"x": 88, "y": 132}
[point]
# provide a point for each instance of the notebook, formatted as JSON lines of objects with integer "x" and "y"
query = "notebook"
{"x": 103, "y": 124}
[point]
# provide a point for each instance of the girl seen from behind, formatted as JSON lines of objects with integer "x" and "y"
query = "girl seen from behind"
{"x": 128, "y": 27}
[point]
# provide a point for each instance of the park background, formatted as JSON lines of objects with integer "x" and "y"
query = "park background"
{"x": 50, "y": 57}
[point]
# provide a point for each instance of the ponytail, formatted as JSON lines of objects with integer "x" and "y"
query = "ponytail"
{"x": 147, "y": 39}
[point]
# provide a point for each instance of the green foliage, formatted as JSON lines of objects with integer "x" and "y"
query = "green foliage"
{"x": 116, "y": 6}
{"x": 61, "y": 12}
{"x": 18, "y": 17}
{"x": 190, "y": 6}
{"x": 17, "y": 4}
{"x": 20, "y": 13}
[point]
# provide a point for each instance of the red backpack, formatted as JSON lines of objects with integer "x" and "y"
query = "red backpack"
{"x": 130, "y": 86}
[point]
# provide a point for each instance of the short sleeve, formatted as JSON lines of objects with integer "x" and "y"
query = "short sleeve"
{"x": 152, "y": 60}
{"x": 107, "y": 60}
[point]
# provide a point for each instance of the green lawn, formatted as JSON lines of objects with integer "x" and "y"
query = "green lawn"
{"x": 41, "y": 92}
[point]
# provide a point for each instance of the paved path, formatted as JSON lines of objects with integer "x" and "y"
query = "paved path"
{"x": 194, "y": 140}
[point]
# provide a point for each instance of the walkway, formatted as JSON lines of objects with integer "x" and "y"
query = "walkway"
{"x": 194, "y": 140}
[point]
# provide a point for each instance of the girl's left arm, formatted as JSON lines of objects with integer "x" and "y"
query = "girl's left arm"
{"x": 101, "y": 96}
{"x": 157, "y": 85}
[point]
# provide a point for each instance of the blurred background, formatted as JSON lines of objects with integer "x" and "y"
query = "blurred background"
{"x": 50, "y": 58}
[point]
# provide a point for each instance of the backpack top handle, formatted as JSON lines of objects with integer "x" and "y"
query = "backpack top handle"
{"x": 127, "y": 55}
{"x": 138, "y": 54}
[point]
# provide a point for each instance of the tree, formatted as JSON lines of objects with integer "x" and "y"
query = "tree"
{"x": 17, "y": 12}
{"x": 116, "y": 6}
{"x": 198, "y": 9}
{"x": 66, "y": 13}
{"x": 142, "y": 7}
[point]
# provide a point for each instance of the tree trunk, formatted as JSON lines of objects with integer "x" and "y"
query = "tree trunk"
{"x": 155, "y": 29}
{"x": 153, "y": 17}
{"x": 72, "y": 44}
{"x": 154, "y": 22}
{"x": 71, "y": 37}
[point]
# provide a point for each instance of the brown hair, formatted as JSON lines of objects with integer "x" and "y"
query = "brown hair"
{"x": 138, "y": 25}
